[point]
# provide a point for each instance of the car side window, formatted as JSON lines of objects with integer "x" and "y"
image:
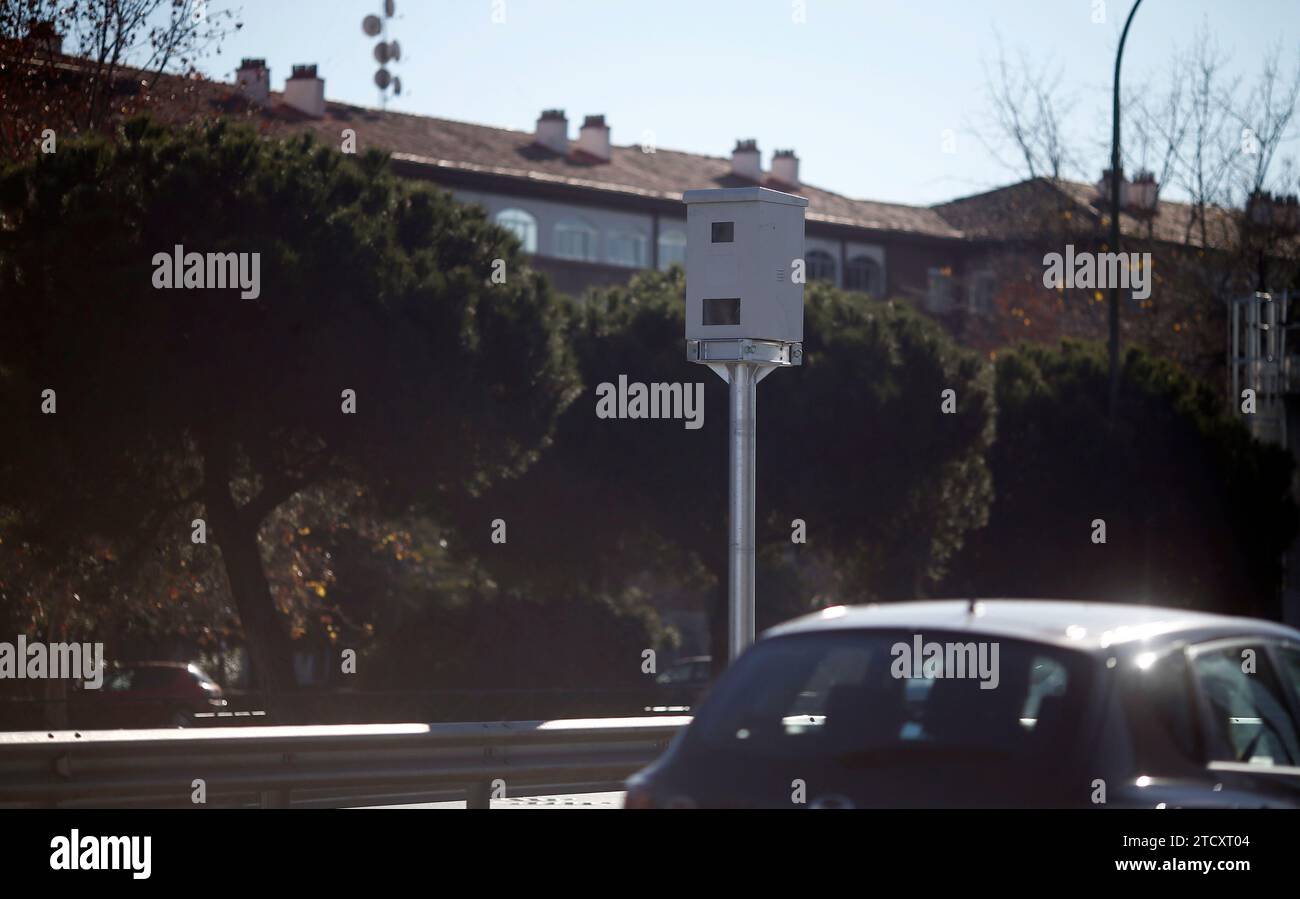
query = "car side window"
{"x": 1047, "y": 681}
{"x": 1290, "y": 658}
{"x": 1159, "y": 704}
{"x": 1248, "y": 719}
{"x": 846, "y": 665}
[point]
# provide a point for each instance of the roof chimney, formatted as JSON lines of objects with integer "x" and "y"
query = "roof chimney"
{"x": 305, "y": 92}
{"x": 1103, "y": 189}
{"x": 785, "y": 168}
{"x": 593, "y": 137}
{"x": 253, "y": 79}
{"x": 745, "y": 160}
{"x": 553, "y": 131}
{"x": 45, "y": 36}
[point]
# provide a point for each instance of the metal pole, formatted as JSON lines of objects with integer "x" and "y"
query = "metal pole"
{"x": 743, "y": 379}
{"x": 1252, "y": 345}
{"x": 1234, "y": 358}
{"x": 1114, "y": 219}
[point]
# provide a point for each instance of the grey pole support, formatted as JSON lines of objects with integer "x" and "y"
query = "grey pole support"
{"x": 742, "y": 364}
{"x": 743, "y": 380}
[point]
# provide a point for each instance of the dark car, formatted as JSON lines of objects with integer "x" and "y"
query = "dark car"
{"x": 999, "y": 703}
{"x": 148, "y": 694}
{"x": 680, "y": 685}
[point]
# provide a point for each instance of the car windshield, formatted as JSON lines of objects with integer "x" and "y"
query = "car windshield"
{"x": 867, "y": 697}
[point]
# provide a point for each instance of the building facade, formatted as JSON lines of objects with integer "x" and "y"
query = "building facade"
{"x": 591, "y": 212}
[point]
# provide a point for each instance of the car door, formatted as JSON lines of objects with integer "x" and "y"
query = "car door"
{"x": 1247, "y": 708}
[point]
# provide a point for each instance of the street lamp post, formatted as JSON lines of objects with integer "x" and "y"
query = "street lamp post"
{"x": 1116, "y": 176}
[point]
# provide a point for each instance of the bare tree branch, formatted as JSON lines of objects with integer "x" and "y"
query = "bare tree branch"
{"x": 1026, "y": 121}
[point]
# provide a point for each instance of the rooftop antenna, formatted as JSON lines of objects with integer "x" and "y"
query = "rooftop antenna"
{"x": 386, "y": 51}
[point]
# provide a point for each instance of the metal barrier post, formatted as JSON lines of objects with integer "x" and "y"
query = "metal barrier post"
{"x": 479, "y": 795}
{"x": 274, "y": 799}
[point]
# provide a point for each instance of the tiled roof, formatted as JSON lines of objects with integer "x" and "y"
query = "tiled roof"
{"x": 1173, "y": 222}
{"x": 1041, "y": 205}
{"x": 666, "y": 174}
{"x": 663, "y": 174}
{"x": 1018, "y": 210}
{"x": 1025, "y": 208}
{"x": 466, "y": 147}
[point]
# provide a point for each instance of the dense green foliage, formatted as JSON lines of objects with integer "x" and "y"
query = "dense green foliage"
{"x": 854, "y": 442}
{"x": 173, "y": 404}
{"x": 476, "y": 401}
{"x": 1197, "y": 513}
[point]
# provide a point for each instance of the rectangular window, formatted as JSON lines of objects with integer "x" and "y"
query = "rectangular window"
{"x": 940, "y": 282}
{"x": 724, "y": 232}
{"x": 983, "y": 287}
{"x": 939, "y": 292}
{"x": 624, "y": 248}
{"x": 722, "y": 310}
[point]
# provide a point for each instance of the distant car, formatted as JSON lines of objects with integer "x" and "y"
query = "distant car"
{"x": 148, "y": 694}
{"x": 1088, "y": 705}
{"x": 682, "y": 683}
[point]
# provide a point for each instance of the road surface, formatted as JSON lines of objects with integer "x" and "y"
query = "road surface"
{"x": 612, "y": 799}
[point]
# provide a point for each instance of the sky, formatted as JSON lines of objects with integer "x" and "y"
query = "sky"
{"x": 881, "y": 99}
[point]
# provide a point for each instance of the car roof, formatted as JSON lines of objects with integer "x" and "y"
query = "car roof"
{"x": 179, "y": 666}
{"x": 1088, "y": 626}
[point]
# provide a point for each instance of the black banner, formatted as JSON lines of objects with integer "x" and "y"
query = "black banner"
{"x": 139, "y": 849}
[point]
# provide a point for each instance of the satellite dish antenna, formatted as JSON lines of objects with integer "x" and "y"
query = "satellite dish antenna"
{"x": 385, "y": 51}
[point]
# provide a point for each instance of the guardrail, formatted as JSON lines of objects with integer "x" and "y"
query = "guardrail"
{"x": 324, "y": 765}
{"x": 97, "y": 710}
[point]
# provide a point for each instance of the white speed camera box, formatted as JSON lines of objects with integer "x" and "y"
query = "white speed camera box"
{"x": 741, "y": 247}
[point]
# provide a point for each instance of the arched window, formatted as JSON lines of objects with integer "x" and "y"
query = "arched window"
{"x": 672, "y": 248}
{"x": 522, "y": 224}
{"x": 820, "y": 265}
{"x": 576, "y": 239}
{"x": 863, "y": 273}
{"x": 626, "y": 248}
